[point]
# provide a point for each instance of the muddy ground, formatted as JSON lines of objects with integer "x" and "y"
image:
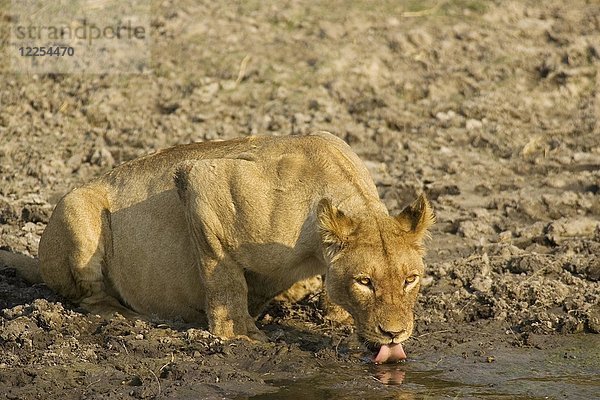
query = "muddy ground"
{"x": 491, "y": 108}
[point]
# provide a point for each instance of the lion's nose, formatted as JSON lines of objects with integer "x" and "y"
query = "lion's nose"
{"x": 392, "y": 334}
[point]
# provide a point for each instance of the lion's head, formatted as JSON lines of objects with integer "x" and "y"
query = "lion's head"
{"x": 375, "y": 269}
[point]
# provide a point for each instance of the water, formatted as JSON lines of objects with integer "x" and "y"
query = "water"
{"x": 569, "y": 372}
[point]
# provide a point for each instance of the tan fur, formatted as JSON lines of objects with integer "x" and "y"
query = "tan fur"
{"x": 218, "y": 229}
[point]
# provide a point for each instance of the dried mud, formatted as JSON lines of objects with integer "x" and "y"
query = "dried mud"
{"x": 491, "y": 108}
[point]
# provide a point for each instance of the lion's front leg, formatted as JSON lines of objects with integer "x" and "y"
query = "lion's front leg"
{"x": 227, "y": 300}
{"x": 202, "y": 188}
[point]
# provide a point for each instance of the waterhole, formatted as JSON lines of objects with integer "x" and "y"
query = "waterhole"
{"x": 569, "y": 372}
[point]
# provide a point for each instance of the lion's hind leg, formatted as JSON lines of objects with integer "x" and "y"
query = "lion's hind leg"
{"x": 74, "y": 248}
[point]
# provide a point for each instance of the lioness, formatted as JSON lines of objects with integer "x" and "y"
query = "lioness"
{"x": 215, "y": 230}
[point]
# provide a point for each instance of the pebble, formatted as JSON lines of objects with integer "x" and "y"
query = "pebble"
{"x": 473, "y": 124}
{"x": 505, "y": 236}
{"x": 566, "y": 228}
{"x": 481, "y": 284}
{"x": 445, "y": 116}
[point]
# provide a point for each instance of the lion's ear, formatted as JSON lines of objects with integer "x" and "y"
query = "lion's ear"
{"x": 335, "y": 227}
{"x": 417, "y": 218}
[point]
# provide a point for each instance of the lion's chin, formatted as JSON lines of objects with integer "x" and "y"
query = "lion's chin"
{"x": 389, "y": 353}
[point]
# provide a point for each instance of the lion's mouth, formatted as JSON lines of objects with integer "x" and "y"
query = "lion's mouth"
{"x": 387, "y": 353}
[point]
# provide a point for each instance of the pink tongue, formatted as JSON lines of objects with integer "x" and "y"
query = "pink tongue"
{"x": 390, "y": 353}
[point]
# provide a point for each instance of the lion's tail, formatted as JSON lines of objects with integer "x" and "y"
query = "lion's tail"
{"x": 27, "y": 268}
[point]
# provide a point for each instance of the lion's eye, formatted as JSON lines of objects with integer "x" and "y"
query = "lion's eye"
{"x": 410, "y": 279}
{"x": 364, "y": 280}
